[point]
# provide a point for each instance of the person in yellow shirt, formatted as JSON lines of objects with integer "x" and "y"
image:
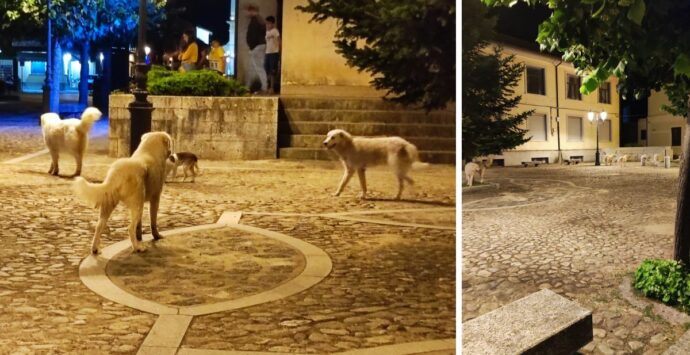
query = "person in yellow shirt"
{"x": 216, "y": 58}
{"x": 190, "y": 54}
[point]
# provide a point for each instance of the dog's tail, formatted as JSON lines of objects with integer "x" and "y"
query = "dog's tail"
{"x": 411, "y": 151}
{"x": 88, "y": 118}
{"x": 196, "y": 167}
{"x": 95, "y": 195}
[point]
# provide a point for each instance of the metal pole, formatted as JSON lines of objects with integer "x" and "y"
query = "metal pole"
{"x": 558, "y": 118}
{"x": 47, "y": 87}
{"x": 140, "y": 109}
{"x": 596, "y": 155}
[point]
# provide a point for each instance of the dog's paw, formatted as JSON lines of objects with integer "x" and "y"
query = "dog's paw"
{"x": 140, "y": 249}
{"x": 157, "y": 236}
{"x": 336, "y": 194}
{"x": 362, "y": 196}
{"x": 95, "y": 251}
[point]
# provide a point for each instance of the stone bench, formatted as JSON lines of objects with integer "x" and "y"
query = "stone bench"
{"x": 531, "y": 163}
{"x": 541, "y": 323}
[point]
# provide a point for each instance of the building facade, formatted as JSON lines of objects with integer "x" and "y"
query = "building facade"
{"x": 661, "y": 128}
{"x": 550, "y": 87}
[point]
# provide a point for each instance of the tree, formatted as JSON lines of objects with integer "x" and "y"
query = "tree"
{"x": 646, "y": 45}
{"x": 407, "y": 45}
{"x": 488, "y": 94}
{"x": 78, "y": 24}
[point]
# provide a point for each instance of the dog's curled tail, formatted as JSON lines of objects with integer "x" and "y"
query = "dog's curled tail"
{"x": 95, "y": 195}
{"x": 413, "y": 154}
{"x": 89, "y": 116}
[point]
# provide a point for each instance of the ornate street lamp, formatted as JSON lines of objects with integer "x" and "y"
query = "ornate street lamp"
{"x": 601, "y": 117}
{"x": 140, "y": 109}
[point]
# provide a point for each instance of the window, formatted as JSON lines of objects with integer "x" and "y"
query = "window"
{"x": 605, "y": 131}
{"x": 643, "y": 135}
{"x": 574, "y": 129}
{"x": 535, "y": 81}
{"x": 38, "y": 68}
{"x": 573, "y": 87}
{"x": 675, "y": 136}
{"x": 605, "y": 93}
{"x": 536, "y": 125}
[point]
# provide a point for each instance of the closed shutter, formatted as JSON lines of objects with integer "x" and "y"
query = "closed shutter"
{"x": 575, "y": 129}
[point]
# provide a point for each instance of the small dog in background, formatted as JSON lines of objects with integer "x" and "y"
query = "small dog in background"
{"x": 189, "y": 162}
{"x": 477, "y": 167}
{"x": 69, "y": 136}
{"x": 358, "y": 153}
{"x": 622, "y": 159}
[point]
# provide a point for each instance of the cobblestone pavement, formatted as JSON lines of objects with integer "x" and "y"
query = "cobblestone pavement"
{"x": 578, "y": 231}
{"x": 389, "y": 284}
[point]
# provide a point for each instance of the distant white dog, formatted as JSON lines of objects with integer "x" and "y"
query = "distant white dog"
{"x": 643, "y": 159}
{"x": 133, "y": 181}
{"x": 609, "y": 158}
{"x": 622, "y": 159}
{"x": 69, "y": 136}
{"x": 358, "y": 153}
{"x": 476, "y": 167}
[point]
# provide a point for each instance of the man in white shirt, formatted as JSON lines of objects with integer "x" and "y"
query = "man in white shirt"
{"x": 272, "y": 52}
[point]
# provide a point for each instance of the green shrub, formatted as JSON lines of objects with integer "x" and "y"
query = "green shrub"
{"x": 665, "y": 280}
{"x": 194, "y": 83}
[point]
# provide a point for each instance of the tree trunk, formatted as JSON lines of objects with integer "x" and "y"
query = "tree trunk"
{"x": 681, "y": 246}
{"x": 84, "y": 75}
{"x": 58, "y": 74}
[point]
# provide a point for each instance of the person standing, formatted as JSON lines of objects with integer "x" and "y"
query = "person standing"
{"x": 256, "y": 40}
{"x": 272, "y": 52}
{"x": 216, "y": 57}
{"x": 190, "y": 53}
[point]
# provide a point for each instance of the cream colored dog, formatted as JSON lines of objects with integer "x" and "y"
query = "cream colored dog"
{"x": 479, "y": 167}
{"x": 69, "y": 136}
{"x": 622, "y": 159}
{"x": 358, "y": 153}
{"x": 609, "y": 158}
{"x": 133, "y": 181}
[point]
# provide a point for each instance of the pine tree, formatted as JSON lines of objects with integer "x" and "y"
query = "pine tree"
{"x": 488, "y": 95}
{"x": 407, "y": 45}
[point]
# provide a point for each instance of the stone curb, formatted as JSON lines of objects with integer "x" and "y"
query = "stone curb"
{"x": 669, "y": 314}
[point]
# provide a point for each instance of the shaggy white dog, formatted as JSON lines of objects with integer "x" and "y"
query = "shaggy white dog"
{"x": 69, "y": 136}
{"x": 476, "y": 167}
{"x": 358, "y": 153}
{"x": 133, "y": 181}
{"x": 622, "y": 159}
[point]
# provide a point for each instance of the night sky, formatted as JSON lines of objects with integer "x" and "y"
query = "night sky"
{"x": 209, "y": 14}
{"x": 521, "y": 21}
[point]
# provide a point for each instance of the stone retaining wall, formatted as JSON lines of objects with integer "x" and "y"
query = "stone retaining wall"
{"x": 225, "y": 128}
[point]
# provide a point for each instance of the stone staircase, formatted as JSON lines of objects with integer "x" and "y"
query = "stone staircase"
{"x": 303, "y": 123}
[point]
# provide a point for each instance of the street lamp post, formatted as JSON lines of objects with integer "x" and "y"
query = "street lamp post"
{"x": 47, "y": 84}
{"x": 601, "y": 117}
{"x": 140, "y": 109}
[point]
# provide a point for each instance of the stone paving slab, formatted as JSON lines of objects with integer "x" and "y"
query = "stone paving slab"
{"x": 45, "y": 233}
{"x": 578, "y": 231}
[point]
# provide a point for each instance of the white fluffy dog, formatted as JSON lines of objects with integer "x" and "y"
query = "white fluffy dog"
{"x": 133, "y": 181}
{"x": 358, "y": 153}
{"x": 473, "y": 168}
{"x": 622, "y": 159}
{"x": 69, "y": 136}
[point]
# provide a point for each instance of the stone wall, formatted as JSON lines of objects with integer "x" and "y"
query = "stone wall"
{"x": 225, "y": 128}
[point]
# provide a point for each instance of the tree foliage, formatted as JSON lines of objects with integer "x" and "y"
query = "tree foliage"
{"x": 645, "y": 44}
{"x": 488, "y": 95}
{"x": 407, "y": 45}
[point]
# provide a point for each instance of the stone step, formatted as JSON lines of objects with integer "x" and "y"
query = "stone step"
{"x": 337, "y": 103}
{"x": 316, "y": 140}
{"x": 368, "y": 129}
{"x": 433, "y": 157}
{"x": 541, "y": 323}
{"x": 378, "y": 116}
{"x": 349, "y": 103}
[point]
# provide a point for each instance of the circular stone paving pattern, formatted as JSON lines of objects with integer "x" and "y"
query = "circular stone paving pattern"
{"x": 205, "y": 267}
{"x": 519, "y": 192}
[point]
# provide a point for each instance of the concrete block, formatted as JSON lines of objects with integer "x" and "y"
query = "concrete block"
{"x": 541, "y": 323}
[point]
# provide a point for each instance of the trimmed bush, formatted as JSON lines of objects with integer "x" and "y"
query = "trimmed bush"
{"x": 194, "y": 83}
{"x": 665, "y": 280}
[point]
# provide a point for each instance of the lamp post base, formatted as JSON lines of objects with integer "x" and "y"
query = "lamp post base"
{"x": 140, "y": 112}
{"x": 596, "y": 158}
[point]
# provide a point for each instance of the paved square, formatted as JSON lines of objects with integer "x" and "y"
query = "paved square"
{"x": 578, "y": 231}
{"x": 391, "y": 286}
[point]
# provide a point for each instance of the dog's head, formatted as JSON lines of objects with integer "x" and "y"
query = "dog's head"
{"x": 157, "y": 143}
{"x": 336, "y": 137}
